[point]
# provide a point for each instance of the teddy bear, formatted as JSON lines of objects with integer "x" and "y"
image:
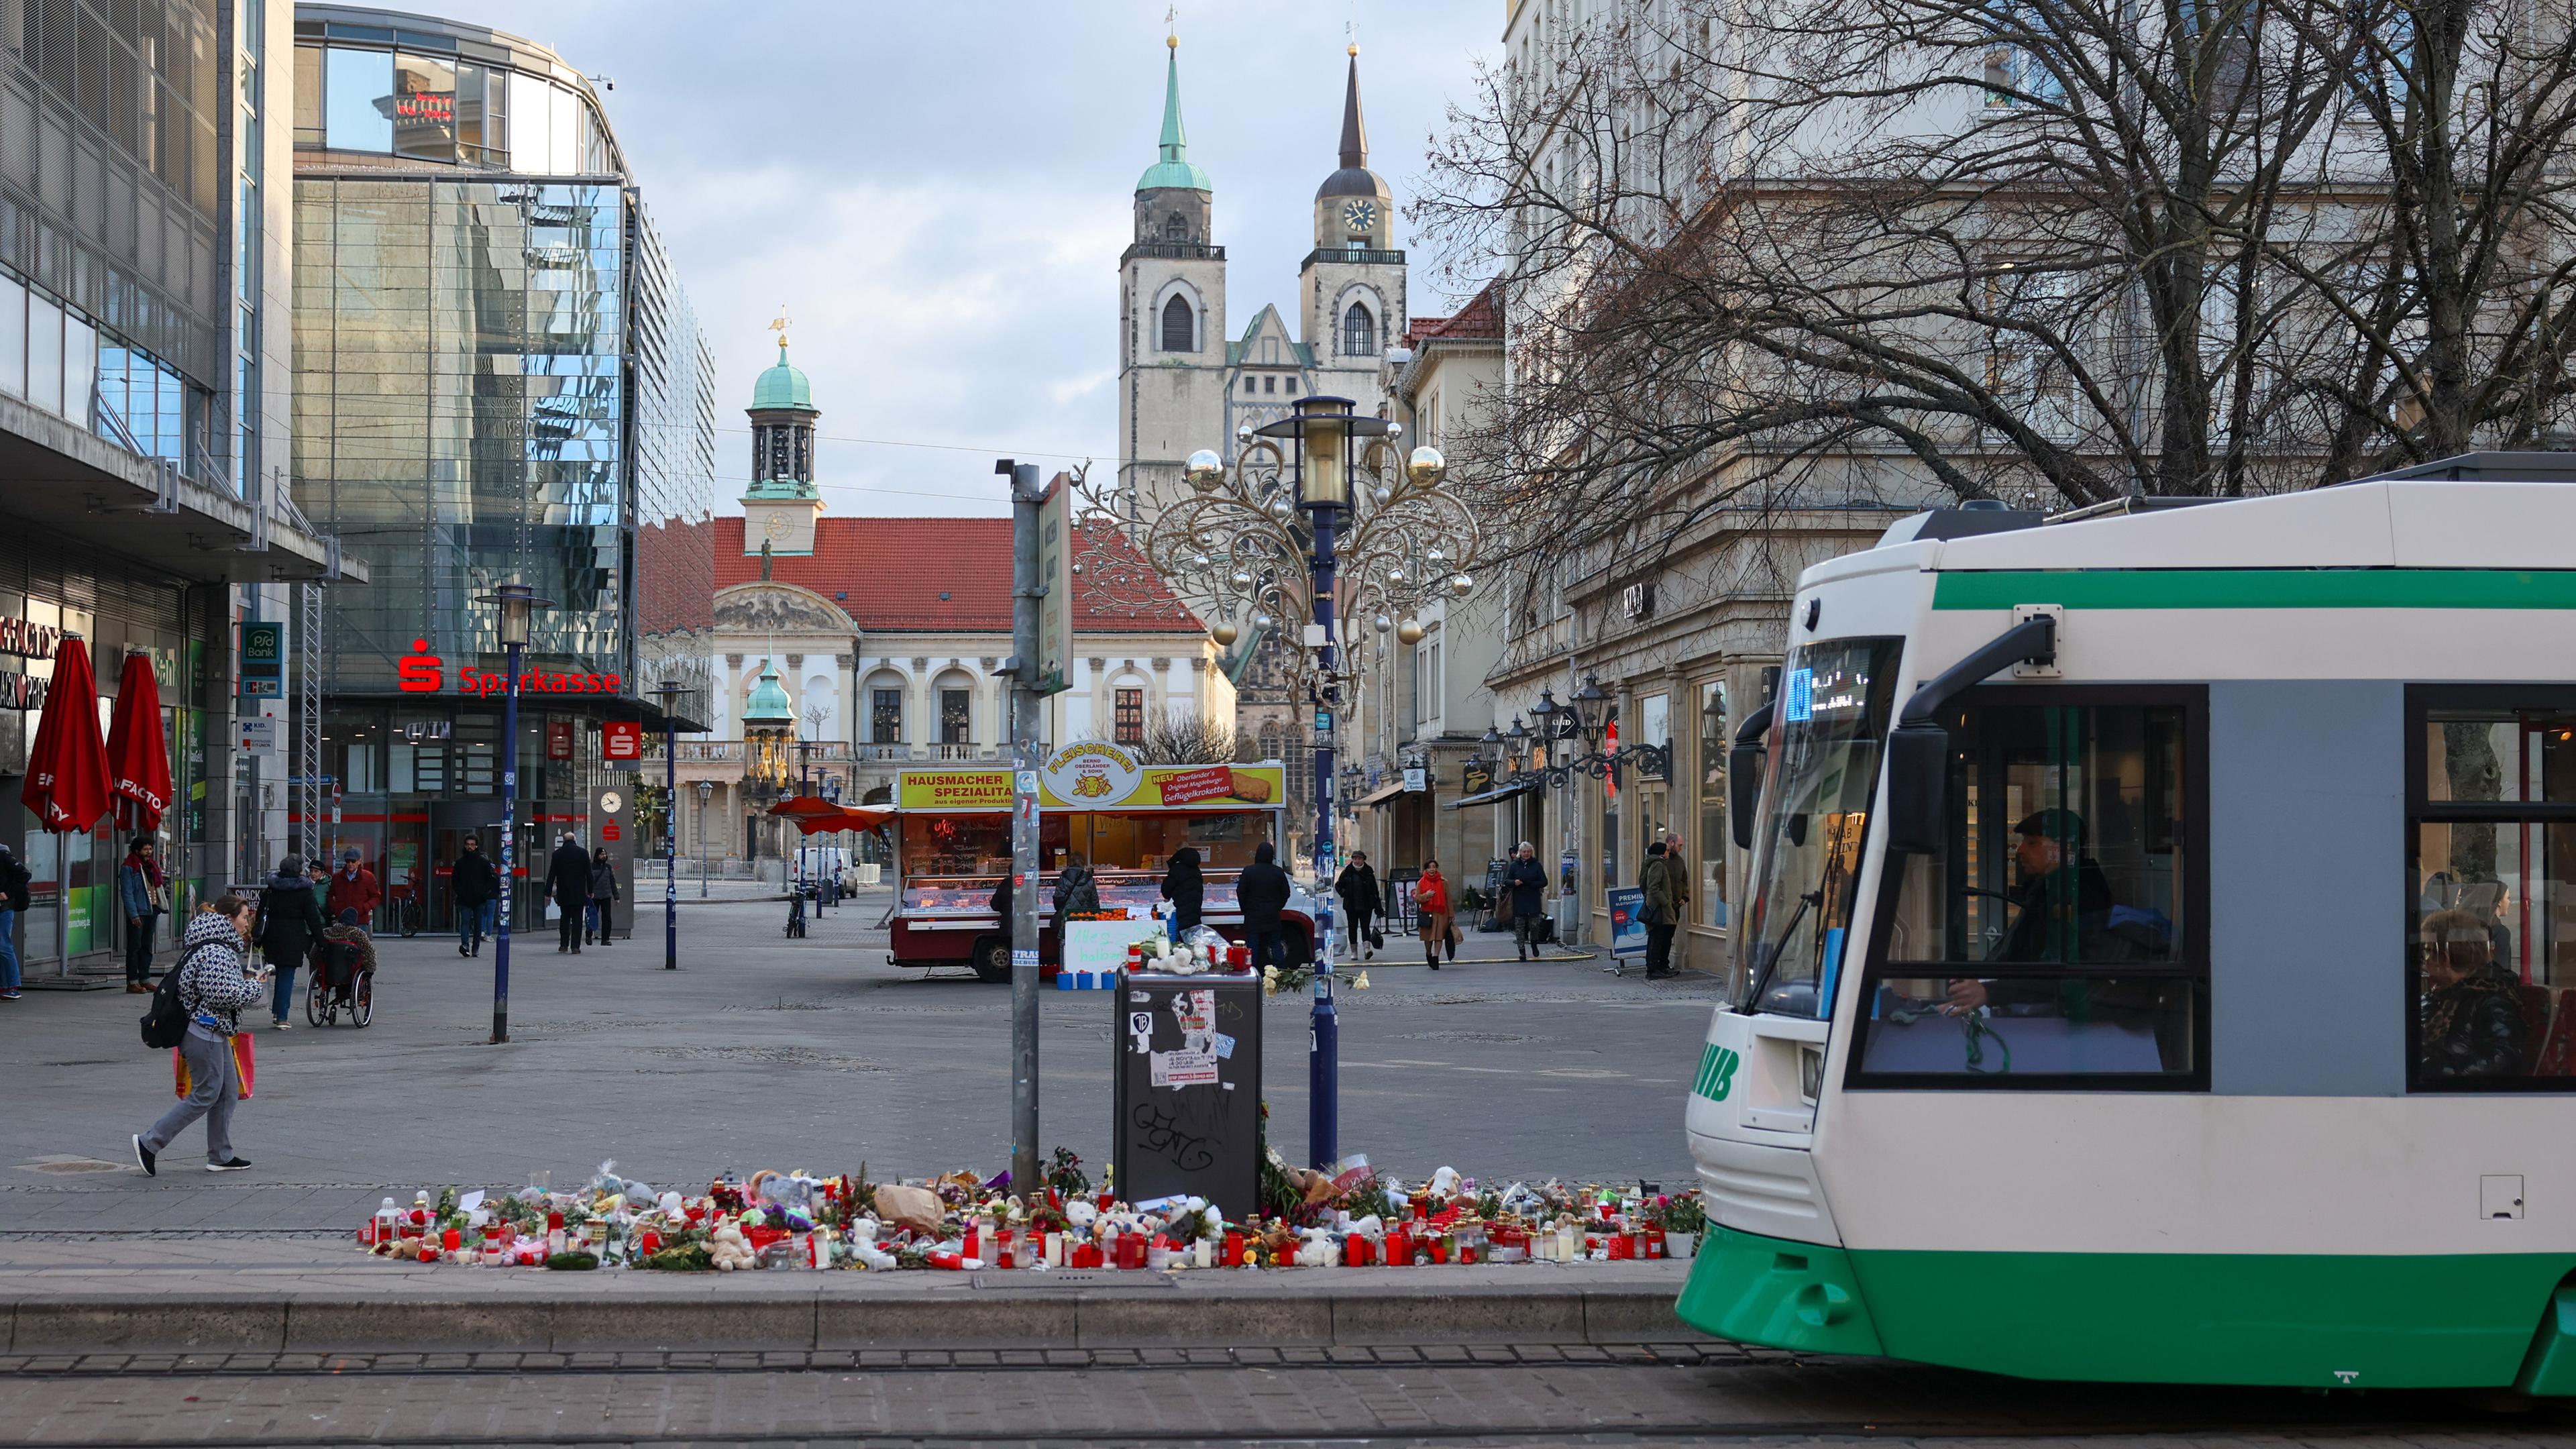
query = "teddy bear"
{"x": 729, "y": 1250}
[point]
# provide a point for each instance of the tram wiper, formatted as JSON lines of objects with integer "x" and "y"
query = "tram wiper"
{"x": 1761, "y": 979}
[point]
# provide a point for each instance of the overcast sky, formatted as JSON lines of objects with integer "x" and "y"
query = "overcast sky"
{"x": 937, "y": 194}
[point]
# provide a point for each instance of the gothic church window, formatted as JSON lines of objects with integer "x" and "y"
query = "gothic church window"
{"x": 1359, "y": 332}
{"x": 1179, "y": 327}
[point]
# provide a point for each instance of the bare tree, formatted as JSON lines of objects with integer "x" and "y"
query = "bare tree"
{"x": 1764, "y": 257}
{"x": 1190, "y": 740}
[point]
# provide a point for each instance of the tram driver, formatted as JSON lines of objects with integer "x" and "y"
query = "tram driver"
{"x": 2054, "y": 918}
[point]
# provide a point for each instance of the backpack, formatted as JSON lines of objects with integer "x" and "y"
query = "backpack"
{"x": 165, "y": 1022}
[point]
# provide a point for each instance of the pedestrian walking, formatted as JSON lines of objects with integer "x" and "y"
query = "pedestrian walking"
{"x": 1656, "y": 884}
{"x": 1186, "y": 889}
{"x": 1261, "y": 894}
{"x": 213, "y": 988}
{"x": 1677, "y": 870}
{"x": 288, "y": 927}
{"x": 145, "y": 898}
{"x": 15, "y": 897}
{"x": 476, "y": 886}
{"x": 353, "y": 888}
{"x": 568, "y": 881}
{"x": 1526, "y": 880}
{"x": 1361, "y": 902}
{"x": 1431, "y": 906}
{"x": 1077, "y": 890}
{"x": 603, "y": 895}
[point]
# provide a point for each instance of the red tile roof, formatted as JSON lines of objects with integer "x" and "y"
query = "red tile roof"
{"x": 1480, "y": 319}
{"x": 933, "y": 574}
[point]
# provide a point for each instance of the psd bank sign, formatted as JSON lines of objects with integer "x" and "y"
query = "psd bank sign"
{"x": 421, "y": 672}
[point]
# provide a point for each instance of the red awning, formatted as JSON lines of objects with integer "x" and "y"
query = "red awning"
{"x": 138, "y": 759}
{"x": 67, "y": 777}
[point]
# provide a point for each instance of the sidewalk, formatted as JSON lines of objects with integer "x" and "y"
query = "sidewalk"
{"x": 272, "y": 1293}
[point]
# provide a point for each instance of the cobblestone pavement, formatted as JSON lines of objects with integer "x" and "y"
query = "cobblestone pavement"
{"x": 813, "y": 1053}
{"x": 1456, "y": 1397}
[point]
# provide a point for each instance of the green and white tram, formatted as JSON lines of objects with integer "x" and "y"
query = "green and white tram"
{"x": 2161, "y": 955}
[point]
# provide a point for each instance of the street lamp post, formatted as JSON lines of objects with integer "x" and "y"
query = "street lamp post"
{"x": 1380, "y": 538}
{"x": 518, "y": 604}
{"x": 668, "y": 694}
{"x": 706, "y": 790}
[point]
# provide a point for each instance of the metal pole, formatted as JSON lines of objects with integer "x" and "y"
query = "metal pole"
{"x": 671, "y": 842}
{"x": 704, "y": 792}
{"x": 1026, "y": 589}
{"x": 509, "y": 849}
{"x": 1323, "y": 1060}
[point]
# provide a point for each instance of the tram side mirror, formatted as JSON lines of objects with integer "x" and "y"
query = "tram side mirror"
{"x": 1744, "y": 800}
{"x": 1918, "y": 777}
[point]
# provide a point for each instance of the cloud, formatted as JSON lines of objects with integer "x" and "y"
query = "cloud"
{"x": 938, "y": 195}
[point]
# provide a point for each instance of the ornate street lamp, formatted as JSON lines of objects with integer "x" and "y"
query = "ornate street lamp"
{"x": 1319, "y": 519}
{"x": 518, "y": 605}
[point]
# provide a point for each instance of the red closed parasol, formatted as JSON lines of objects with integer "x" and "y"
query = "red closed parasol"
{"x": 67, "y": 777}
{"x": 138, "y": 758}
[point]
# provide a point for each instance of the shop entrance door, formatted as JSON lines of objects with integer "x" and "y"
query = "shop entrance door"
{"x": 451, "y": 824}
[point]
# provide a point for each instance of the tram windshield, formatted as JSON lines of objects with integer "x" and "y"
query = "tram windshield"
{"x": 1836, "y": 697}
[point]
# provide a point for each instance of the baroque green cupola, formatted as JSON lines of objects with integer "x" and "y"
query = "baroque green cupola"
{"x": 768, "y": 706}
{"x": 782, "y": 504}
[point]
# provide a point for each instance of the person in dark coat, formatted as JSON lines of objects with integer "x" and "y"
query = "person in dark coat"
{"x": 290, "y": 925}
{"x": 1186, "y": 889}
{"x": 1077, "y": 890}
{"x": 1527, "y": 881}
{"x": 2472, "y": 1023}
{"x": 1262, "y": 894}
{"x": 476, "y": 884}
{"x": 1361, "y": 902}
{"x": 603, "y": 896}
{"x": 568, "y": 881}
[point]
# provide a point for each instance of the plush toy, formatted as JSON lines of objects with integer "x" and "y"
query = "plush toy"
{"x": 863, "y": 1245}
{"x": 729, "y": 1250}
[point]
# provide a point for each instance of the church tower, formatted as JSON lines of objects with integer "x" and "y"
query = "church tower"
{"x": 782, "y": 506}
{"x": 1171, "y": 322}
{"x": 1352, "y": 283}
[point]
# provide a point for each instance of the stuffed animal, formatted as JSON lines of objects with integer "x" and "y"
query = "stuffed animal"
{"x": 729, "y": 1250}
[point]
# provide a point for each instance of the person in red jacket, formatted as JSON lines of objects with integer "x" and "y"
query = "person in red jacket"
{"x": 1431, "y": 908}
{"x": 353, "y": 888}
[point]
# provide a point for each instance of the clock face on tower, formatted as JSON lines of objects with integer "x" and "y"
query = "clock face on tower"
{"x": 1359, "y": 216}
{"x": 777, "y": 526}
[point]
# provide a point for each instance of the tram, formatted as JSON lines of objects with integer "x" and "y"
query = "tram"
{"x": 2161, "y": 954}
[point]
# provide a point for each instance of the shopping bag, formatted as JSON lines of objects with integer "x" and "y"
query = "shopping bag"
{"x": 245, "y": 1060}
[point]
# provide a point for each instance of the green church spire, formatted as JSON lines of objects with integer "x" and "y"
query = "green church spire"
{"x": 1174, "y": 172}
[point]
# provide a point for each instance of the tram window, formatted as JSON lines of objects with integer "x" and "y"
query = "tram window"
{"x": 1836, "y": 699}
{"x": 2049, "y": 938}
{"x": 2491, "y": 939}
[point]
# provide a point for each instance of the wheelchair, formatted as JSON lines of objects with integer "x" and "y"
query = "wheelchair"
{"x": 323, "y": 1001}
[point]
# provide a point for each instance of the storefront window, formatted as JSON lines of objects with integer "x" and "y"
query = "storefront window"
{"x": 424, "y": 108}
{"x": 1713, "y": 743}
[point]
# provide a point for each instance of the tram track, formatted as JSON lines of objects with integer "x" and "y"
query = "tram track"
{"x": 1385, "y": 1405}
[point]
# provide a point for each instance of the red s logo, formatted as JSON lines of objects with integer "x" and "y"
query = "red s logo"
{"x": 419, "y": 672}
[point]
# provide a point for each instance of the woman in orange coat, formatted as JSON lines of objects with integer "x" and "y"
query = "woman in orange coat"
{"x": 1431, "y": 908}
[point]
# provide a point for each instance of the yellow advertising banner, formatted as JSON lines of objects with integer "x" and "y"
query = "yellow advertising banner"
{"x": 1096, "y": 776}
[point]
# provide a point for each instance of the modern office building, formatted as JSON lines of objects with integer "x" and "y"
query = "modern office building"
{"x": 497, "y": 380}
{"x": 143, "y": 406}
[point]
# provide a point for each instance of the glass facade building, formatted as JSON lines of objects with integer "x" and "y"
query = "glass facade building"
{"x": 498, "y": 380}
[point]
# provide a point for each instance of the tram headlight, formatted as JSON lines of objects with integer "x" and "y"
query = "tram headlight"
{"x": 1811, "y": 1073}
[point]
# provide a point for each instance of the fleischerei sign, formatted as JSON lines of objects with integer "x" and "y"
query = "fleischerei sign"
{"x": 1094, "y": 775}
